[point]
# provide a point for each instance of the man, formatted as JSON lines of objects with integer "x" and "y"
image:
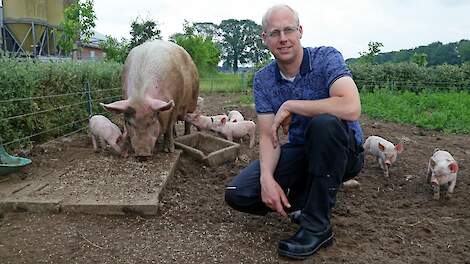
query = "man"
{"x": 310, "y": 93}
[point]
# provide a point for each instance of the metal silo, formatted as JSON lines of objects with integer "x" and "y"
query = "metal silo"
{"x": 31, "y": 26}
{"x": 55, "y": 15}
{"x": 26, "y": 20}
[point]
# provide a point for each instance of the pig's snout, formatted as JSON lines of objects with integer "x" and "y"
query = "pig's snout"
{"x": 388, "y": 163}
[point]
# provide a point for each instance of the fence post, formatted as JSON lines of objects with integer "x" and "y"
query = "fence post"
{"x": 244, "y": 84}
{"x": 89, "y": 100}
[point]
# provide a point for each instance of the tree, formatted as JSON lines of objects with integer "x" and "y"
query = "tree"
{"x": 241, "y": 42}
{"x": 419, "y": 58}
{"x": 143, "y": 30}
{"x": 373, "y": 50}
{"x": 464, "y": 50}
{"x": 115, "y": 50}
{"x": 204, "y": 52}
{"x": 79, "y": 20}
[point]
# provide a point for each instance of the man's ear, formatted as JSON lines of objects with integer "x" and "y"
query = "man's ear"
{"x": 263, "y": 37}
{"x": 301, "y": 31}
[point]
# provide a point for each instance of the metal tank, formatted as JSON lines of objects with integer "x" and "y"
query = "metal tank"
{"x": 31, "y": 26}
{"x": 26, "y": 21}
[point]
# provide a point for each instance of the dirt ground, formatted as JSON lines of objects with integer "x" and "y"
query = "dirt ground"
{"x": 387, "y": 220}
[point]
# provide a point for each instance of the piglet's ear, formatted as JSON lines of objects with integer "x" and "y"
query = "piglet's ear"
{"x": 381, "y": 147}
{"x": 453, "y": 167}
{"x": 119, "y": 139}
{"x": 399, "y": 148}
{"x": 223, "y": 120}
{"x": 432, "y": 162}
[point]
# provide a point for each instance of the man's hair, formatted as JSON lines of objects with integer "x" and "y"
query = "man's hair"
{"x": 264, "y": 22}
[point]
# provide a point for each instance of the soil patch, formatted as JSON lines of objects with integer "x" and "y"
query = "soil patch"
{"x": 386, "y": 220}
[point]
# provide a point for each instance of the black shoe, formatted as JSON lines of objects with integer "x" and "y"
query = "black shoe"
{"x": 294, "y": 217}
{"x": 304, "y": 243}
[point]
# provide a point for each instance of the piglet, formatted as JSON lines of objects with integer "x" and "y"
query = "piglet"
{"x": 233, "y": 130}
{"x": 385, "y": 152}
{"x": 216, "y": 119}
{"x": 107, "y": 132}
{"x": 442, "y": 170}
{"x": 235, "y": 116}
{"x": 200, "y": 121}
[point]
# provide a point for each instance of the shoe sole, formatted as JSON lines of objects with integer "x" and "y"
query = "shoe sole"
{"x": 328, "y": 242}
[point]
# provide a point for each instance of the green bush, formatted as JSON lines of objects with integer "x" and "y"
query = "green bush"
{"x": 410, "y": 76}
{"x": 30, "y": 89}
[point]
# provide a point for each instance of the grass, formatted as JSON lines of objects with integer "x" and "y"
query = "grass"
{"x": 448, "y": 112}
{"x": 224, "y": 82}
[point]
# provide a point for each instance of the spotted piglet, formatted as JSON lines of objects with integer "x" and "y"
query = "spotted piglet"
{"x": 107, "y": 132}
{"x": 385, "y": 152}
{"x": 442, "y": 170}
{"x": 235, "y": 116}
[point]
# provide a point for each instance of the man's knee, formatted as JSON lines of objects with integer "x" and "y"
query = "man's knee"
{"x": 323, "y": 125}
{"x": 252, "y": 205}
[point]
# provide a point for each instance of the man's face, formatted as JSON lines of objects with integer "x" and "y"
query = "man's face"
{"x": 282, "y": 36}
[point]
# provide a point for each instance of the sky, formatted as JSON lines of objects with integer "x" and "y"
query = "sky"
{"x": 347, "y": 25}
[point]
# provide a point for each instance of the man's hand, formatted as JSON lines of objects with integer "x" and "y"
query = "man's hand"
{"x": 282, "y": 118}
{"x": 273, "y": 196}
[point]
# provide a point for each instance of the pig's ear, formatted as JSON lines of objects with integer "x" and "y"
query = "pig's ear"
{"x": 399, "y": 148}
{"x": 159, "y": 105}
{"x": 432, "y": 162}
{"x": 381, "y": 147}
{"x": 117, "y": 107}
{"x": 453, "y": 167}
{"x": 119, "y": 139}
{"x": 223, "y": 120}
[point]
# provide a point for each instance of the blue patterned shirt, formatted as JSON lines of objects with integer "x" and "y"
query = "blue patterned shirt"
{"x": 320, "y": 68}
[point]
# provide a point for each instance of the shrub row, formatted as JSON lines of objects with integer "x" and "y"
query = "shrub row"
{"x": 410, "y": 76}
{"x": 38, "y": 96}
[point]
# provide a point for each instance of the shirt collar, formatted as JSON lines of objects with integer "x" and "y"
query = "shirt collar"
{"x": 304, "y": 66}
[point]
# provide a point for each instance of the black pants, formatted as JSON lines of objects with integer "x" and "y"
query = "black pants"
{"x": 310, "y": 174}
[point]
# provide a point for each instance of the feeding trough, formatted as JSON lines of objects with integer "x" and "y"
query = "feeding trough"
{"x": 208, "y": 149}
{"x": 9, "y": 163}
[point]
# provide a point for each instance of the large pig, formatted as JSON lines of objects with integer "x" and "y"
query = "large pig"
{"x": 442, "y": 170}
{"x": 105, "y": 131}
{"x": 233, "y": 130}
{"x": 160, "y": 85}
{"x": 235, "y": 116}
{"x": 385, "y": 152}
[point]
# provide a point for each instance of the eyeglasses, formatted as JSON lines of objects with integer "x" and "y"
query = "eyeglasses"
{"x": 276, "y": 33}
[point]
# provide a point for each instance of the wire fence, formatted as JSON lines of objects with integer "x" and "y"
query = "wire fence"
{"x": 80, "y": 106}
{"x": 65, "y": 119}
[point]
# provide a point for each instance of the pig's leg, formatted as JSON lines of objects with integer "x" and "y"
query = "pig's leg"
{"x": 380, "y": 162}
{"x": 428, "y": 178}
{"x": 435, "y": 189}
{"x": 230, "y": 137}
{"x": 450, "y": 190}
{"x": 169, "y": 140}
{"x": 384, "y": 167}
{"x": 93, "y": 141}
{"x": 102, "y": 143}
{"x": 187, "y": 128}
